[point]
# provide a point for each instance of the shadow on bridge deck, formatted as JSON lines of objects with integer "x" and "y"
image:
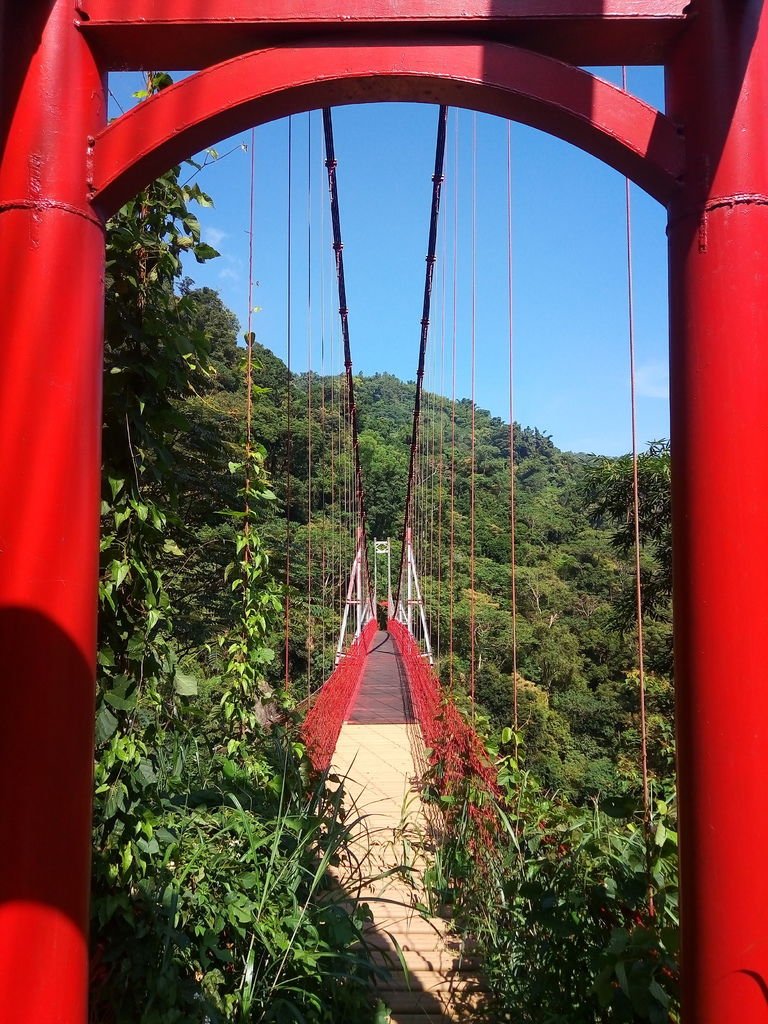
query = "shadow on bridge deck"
{"x": 432, "y": 977}
{"x": 383, "y": 698}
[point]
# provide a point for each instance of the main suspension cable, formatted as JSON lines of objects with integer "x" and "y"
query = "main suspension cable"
{"x": 338, "y": 248}
{"x": 437, "y": 182}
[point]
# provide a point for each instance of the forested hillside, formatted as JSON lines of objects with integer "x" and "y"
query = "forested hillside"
{"x": 575, "y": 625}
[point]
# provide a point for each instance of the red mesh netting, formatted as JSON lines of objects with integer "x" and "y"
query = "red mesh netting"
{"x": 459, "y": 762}
{"x": 322, "y": 725}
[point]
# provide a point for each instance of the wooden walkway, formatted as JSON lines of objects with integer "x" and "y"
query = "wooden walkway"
{"x": 378, "y": 750}
{"x": 383, "y": 697}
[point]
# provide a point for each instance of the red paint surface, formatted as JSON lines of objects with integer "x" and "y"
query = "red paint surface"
{"x": 491, "y": 77}
{"x": 718, "y": 86}
{"x": 51, "y": 271}
{"x": 324, "y": 720}
{"x": 175, "y": 33}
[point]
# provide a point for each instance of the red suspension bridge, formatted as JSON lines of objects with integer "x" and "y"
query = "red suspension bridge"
{"x": 65, "y": 170}
{"x": 395, "y": 683}
{"x": 383, "y": 707}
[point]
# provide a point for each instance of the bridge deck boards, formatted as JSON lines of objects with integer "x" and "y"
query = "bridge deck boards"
{"x": 377, "y": 753}
{"x": 383, "y": 698}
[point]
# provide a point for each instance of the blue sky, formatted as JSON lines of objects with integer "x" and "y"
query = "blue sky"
{"x": 570, "y": 333}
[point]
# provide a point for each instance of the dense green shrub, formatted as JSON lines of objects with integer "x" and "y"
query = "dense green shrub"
{"x": 561, "y": 907}
{"x": 212, "y": 898}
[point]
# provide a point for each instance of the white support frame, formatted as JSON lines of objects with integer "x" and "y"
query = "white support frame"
{"x": 362, "y": 607}
{"x": 405, "y": 615}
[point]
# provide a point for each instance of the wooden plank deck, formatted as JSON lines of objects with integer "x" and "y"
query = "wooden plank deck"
{"x": 378, "y": 752}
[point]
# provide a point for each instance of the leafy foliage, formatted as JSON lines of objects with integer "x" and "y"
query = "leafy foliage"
{"x": 212, "y": 898}
{"x": 608, "y": 487}
{"x": 560, "y": 910}
{"x": 220, "y": 907}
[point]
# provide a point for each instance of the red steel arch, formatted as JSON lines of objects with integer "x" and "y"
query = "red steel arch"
{"x": 494, "y": 78}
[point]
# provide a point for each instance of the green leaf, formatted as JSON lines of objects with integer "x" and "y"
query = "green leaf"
{"x": 205, "y": 252}
{"x": 122, "y": 571}
{"x": 185, "y": 684}
{"x": 123, "y": 696}
{"x": 106, "y": 723}
{"x": 146, "y": 772}
{"x": 382, "y": 1014}
{"x": 116, "y": 485}
{"x": 659, "y": 994}
{"x": 619, "y": 941}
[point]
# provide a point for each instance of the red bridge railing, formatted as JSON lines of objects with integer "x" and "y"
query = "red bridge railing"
{"x": 329, "y": 711}
{"x": 458, "y": 759}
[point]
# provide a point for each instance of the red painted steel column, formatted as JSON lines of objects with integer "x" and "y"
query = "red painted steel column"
{"x": 718, "y": 236}
{"x": 51, "y": 298}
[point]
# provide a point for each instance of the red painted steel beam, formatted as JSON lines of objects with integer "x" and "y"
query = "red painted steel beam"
{"x": 718, "y": 246}
{"x": 192, "y": 34}
{"x": 491, "y": 77}
{"x": 51, "y": 296}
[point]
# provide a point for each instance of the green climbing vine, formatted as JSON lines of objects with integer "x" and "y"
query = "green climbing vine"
{"x": 211, "y": 896}
{"x": 247, "y": 690}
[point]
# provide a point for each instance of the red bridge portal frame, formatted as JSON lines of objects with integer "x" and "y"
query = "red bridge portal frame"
{"x": 63, "y": 171}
